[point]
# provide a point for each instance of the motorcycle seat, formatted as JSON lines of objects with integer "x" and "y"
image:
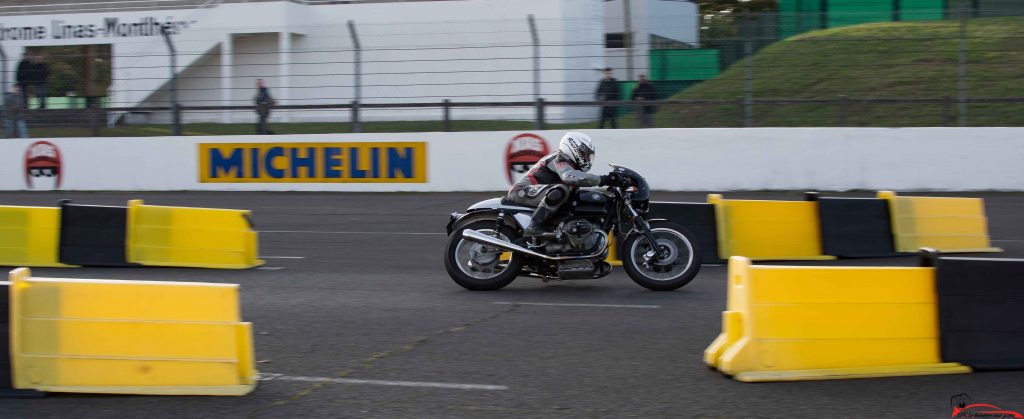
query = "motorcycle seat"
{"x": 508, "y": 202}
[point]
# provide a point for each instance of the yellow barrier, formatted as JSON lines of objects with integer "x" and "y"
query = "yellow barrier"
{"x": 811, "y": 323}
{"x": 190, "y": 237}
{"x": 30, "y": 236}
{"x": 128, "y": 337}
{"x": 613, "y": 251}
{"x": 944, "y": 224}
{"x": 768, "y": 230}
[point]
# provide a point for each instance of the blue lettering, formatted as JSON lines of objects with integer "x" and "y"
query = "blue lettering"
{"x": 331, "y": 161}
{"x": 254, "y": 163}
{"x": 308, "y": 162}
{"x": 375, "y": 160}
{"x": 226, "y": 165}
{"x": 268, "y": 162}
{"x": 400, "y": 162}
{"x": 353, "y": 164}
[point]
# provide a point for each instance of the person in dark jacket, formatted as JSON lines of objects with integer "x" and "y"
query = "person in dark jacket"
{"x": 644, "y": 91}
{"x": 264, "y": 102}
{"x": 24, "y": 75}
{"x": 38, "y": 76}
{"x": 608, "y": 89}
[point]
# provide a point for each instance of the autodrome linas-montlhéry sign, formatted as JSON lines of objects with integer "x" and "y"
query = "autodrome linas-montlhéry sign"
{"x": 348, "y": 162}
{"x": 111, "y": 27}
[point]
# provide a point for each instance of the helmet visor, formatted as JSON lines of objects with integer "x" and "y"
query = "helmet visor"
{"x": 586, "y": 157}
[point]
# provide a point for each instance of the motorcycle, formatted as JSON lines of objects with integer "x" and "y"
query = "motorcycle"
{"x": 486, "y": 251}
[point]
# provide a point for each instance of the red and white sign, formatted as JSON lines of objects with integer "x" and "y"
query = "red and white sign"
{"x": 521, "y": 153}
{"x": 42, "y": 161}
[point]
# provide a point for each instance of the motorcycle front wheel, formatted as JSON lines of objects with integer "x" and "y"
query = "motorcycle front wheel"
{"x": 678, "y": 264}
{"x": 477, "y": 266}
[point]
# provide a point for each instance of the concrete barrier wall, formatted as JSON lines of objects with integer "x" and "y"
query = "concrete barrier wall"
{"x": 827, "y": 159}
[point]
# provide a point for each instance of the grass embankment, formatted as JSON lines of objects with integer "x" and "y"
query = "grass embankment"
{"x": 879, "y": 60}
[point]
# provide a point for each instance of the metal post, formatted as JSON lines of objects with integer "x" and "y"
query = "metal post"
{"x": 3, "y": 92}
{"x": 748, "y": 84}
{"x": 356, "y": 126}
{"x": 627, "y": 36}
{"x": 540, "y": 113}
{"x": 842, "y": 110}
{"x": 358, "y": 71}
{"x": 446, "y": 124}
{"x": 947, "y": 111}
{"x": 896, "y": 12}
{"x": 536, "y": 57}
{"x": 962, "y": 66}
{"x": 227, "y": 57}
{"x": 823, "y": 6}
{"x": 742, "y": 111}
{"x": 175, "y": 109}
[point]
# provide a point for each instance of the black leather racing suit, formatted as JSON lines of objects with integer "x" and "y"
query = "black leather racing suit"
{"x": 548, "y": 183}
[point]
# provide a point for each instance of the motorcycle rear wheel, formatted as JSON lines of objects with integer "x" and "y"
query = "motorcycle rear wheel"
{"x": 678, "y": 269}
{"x": 479, "y": 267}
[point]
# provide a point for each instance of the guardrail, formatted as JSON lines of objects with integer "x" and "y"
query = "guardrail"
{"x": 96, "y": 118}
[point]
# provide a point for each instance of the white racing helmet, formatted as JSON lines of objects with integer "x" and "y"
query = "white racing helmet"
{"x": 577, "y": 148}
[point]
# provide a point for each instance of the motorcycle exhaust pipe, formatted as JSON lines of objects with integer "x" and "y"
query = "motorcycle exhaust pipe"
{"x": 473, "y": 235}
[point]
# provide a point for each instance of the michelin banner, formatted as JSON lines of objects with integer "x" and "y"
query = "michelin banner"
{"x": 939, "y": 159}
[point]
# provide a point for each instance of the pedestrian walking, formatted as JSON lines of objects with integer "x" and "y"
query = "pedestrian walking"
{"x": 14, "y": 115}
{"x": 264, "y": 103}
{"x": 608, "y": 90}
{"x": 644, "y": 92}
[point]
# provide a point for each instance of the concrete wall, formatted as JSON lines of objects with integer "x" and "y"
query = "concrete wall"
{"x": 940, "y": 159}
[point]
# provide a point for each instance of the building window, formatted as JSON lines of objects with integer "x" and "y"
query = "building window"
{"x": 616, "y": 40}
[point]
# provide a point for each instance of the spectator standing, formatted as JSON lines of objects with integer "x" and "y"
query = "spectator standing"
{"x": 38, "y": 78}
{"x": 264, "y": 102}
{"x": 14, "y": 120}
{"x": 607, "y": 90}
{"x": 24, "y": 75}
{"x": 644, "y": 91}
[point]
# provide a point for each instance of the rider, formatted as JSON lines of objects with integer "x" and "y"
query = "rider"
{"x": 548, "y": 183}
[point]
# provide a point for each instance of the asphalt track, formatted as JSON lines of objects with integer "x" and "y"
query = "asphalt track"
{"x": 356, "y": 317}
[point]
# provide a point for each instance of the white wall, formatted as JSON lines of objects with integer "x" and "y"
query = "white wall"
{"x": 941, "y": 159}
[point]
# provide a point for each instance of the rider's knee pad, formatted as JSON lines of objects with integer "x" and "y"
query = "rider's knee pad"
{"x": 556, "y": 196}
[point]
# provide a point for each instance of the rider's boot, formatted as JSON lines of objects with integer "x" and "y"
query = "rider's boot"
{"x": 540, "y": 217}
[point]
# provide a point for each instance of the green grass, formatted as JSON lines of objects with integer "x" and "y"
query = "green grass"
{"x": 878, "y": 60}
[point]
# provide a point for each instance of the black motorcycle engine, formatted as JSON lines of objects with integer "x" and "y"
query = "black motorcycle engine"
{"x": 578, "y": 235}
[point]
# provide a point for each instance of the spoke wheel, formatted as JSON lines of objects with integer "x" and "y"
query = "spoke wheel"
{"x": 672, "y": 263}
{"x": 477, "y": 266}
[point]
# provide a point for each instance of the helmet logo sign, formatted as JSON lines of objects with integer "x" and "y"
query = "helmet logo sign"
{"x": 42, "y": 160}
{"x": 521, "y": 153}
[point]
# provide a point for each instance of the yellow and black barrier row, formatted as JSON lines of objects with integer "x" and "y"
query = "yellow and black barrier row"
{"x": 944, "y": 224}
{"x": 91, "y": 235}
{"x": 127, "y": 337}
{"x": 785, "y": 323}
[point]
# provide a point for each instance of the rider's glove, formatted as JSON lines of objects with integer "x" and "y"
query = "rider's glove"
{"x": 613, "y": 179}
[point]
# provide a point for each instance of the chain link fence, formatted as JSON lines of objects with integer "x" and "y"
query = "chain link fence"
{"x": 956, "y": 66}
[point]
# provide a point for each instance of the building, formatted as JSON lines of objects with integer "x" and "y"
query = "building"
{"x": 409, "y": 52}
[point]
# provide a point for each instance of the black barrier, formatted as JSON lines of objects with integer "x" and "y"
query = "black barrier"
{"x": 698, "y": 218}
{"x": 6, "y": 382}
{"x": 5, "y": 338}
{"x": 92, "y": 235}
{"x": 856, "y": 227}
{"x": 981, "y": 311}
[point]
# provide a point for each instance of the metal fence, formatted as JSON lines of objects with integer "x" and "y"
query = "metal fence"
{"x": 960, "y": 69}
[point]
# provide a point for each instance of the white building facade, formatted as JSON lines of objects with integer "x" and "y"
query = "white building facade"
{"x": 411, "y": 52}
